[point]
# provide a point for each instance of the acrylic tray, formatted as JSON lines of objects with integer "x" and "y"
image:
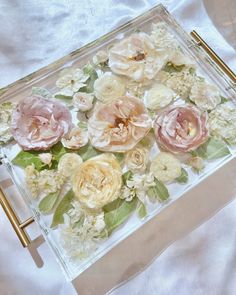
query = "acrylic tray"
{"x": 47, "y": 77}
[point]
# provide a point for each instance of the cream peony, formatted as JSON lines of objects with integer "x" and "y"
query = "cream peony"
{"x": 108, "y": 87}
{"x": 158, "y": 97}
{"x": 120, "y": 125}
{"x": 76, "y": 138}
{"x": 136, "y": 160}
{"x": 204, "y": 95}
{"x": 98, "y": 181}
{"x": 137, "y": 57}
{"x": 165, "y": 167}
{"x": 83, "y": 101}
{"x": 69, "y": 164}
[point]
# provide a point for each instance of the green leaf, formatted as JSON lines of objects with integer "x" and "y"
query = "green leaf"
{"x": 119, "y": 214}
{"x": 192, "y": 71}
{"x": 82, "y": 125}
{"x": 141, "y": 209}
{"x": 86, "y": 152}
{"x": 41, "y": 92}
{"x": 224, "y": 99}
{"x": 127, "y": 176}
{"x": 159, "y": 191}
{"x": 63, "y": 207}
{"x": 119, "y": 157}
{"x": 58, "y": 151}
{"x": 26, "y": 158}
{"x": 172, "y": 68}
{"x": 183, "y": 178}
{"x": 48, "y": 202}
{"x": 216, "y": 148}
{"x": 89, "y": 70}
{"x": 66, "y": 99}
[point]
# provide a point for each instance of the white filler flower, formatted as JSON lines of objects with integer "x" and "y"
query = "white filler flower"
{"x": 108, "y": 87}
{"x": 205, "y": 96}
{"x": 158, "y": 97}
{"x": 165, "y": 167}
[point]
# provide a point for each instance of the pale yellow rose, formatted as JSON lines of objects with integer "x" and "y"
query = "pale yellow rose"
{"x": 98, "y": 181}
{"x": 136, "y": 160}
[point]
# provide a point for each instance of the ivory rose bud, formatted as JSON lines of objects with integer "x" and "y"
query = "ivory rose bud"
{"x": 136, "y": 160}
{"x": 137, "y": 57}
{"x": 75, "y": 139}
{"x": 120, "y": 125}
{"x": 181, "y": 129}
{"x": 69, "y": 163}
{"x": 83, "y": 101}
{"x": 97, "y": 181}
{"x": 39, "y": 123}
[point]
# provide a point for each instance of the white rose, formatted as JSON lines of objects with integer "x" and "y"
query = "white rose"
{"x": 76, "y": 139}
{"x": 158, "y": 97}
{"x": 108, "y": 87}
{"x": 69, "y": 164}
{"x": 165, "y": 167}
{"x": 83, "y": 101}
{"x": 205, "y": 96}
{"x": 137, "y": 159}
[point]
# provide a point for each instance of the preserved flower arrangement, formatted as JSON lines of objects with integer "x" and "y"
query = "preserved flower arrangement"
{"x": 115, "y": 135}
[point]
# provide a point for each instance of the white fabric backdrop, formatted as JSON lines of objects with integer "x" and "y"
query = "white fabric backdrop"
{"x": 34, "y": 33}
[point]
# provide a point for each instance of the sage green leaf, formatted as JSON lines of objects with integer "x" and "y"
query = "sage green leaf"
{"x": 119, "y": 157}
{"x": 119, "y": 214}
{"x": 172, "y": 68}
{"x": 26, "y": 158}
{"x": 39, "y": 91}
{"x": 224, "y": 99}
{"x": 141, "y": 209}
{"x": 63, "y": 207}
{"x": 89, "y": 70}
{"x": 48, "y": 202}
{"x": 183, "y": 178}
{"x": 127, "y": 176}
{"x": 192, "y": 71}
{"x": 82, "y": 125}
{"x": 66, "y": 99}
{"x": 88, "y": 151}
{"x": 216, "y": 148}
{"x": 58, "y": 151}
{"x": 159, "y": 191}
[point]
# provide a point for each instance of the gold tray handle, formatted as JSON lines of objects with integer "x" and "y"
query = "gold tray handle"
{"x": 214, "y": 56}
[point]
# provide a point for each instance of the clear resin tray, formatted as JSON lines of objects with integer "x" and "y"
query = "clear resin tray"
{"x": 151, "y": 116}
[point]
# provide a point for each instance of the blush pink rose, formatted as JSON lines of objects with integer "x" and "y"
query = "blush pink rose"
{"x": 181, "y": 129}
{"x": 38, "y": 123}
{"x": 120, "y": 125}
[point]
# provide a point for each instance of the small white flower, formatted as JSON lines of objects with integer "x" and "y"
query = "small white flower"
{"x": 222, "y": 122}
{"x": 137, "y": 159}
{"x": 46, "y": 158}
{"x": 180, "y": 82}
{"x": 71, "y": 81}
{"x": 100, "y": 57}
{"x": 165, "y": 167}
{"x": 77, "y": 138}
{"x": 158, "y": 97}
{"x": 69, "y": 163}
{"x": 108, "y": 87}
{"x": 5, "y": 122}
{"x": 83, "y": 101}
{"x": 205, "y": 96}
